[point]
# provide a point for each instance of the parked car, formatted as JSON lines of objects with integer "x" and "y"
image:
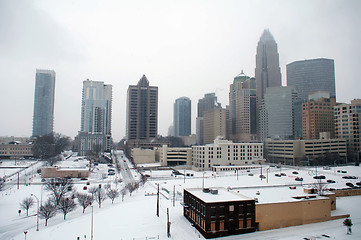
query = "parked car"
{"x": 331, "y": 181}
{"x": 295, "y": 172}
{"x": 262, "y": 176}
{"x": 299, "y": 179}
{"x": 346, "y": 177}
{"x": 278, "y": 175}
{"x": 344, "y": 171}
{"x": 250, "y": 174}
{"x": 349, "y": 184}
{"x": 283, "y": 174}
{"x": 319, "y": 177}
{"x": 358, "y": 183}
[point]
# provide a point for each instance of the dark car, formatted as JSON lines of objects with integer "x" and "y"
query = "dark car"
{"x": 295, "y": 172}
{"x": 319, "y": 177}
{"x": 349, "y": 184}
{"x": 358, "y": 183}
{"x": 278, "y": 175}
{"x": 283, "y": 174}
{"x": 299, "y": 179}
{"x": 330, "y": 181}
{"x": 346, "y": 177}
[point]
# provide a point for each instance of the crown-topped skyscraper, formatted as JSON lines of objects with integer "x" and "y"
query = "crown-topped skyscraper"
{"x": 268, "y": 73}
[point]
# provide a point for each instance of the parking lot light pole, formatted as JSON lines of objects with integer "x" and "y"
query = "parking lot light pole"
{"x": 37, "y": 214}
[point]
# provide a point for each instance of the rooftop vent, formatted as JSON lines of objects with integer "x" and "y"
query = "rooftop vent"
{"x": 214, "y": 191}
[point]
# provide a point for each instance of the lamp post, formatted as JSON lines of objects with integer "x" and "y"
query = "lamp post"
{"x": 203, "y": 180}
{"x": 91, "y": 228}
{"x": 37, "y": 214}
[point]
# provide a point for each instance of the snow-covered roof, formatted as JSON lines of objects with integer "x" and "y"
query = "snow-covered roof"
{"x": 223, "y": 195}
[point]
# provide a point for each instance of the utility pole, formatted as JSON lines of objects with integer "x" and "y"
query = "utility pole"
{"x": 158, "y": 201}
{"x": 18, "y": 180}
{"x": 173, "y": 195}
{"x": 168, "y": 224}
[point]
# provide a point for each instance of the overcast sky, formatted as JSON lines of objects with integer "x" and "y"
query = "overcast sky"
{"x": 186, "y": 48}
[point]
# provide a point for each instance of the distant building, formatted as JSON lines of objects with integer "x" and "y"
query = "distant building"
{"x": 142, "y": 113}
{"x": 242, "y": 109}
{"x": 174, "y": 156}
{"x": 96, "y": 113}
{"x": 216, "y": 212}
{"x": 226, "y": 153}
{"x": 208, "y": 102}
{"x": 277, "y": 113}
{"x": 16, "y": 150}
{"x": 53, "y": 172}
{"x": 43, "y": 118}
{"x": 317, "y": 116}
{"x": 214, "y": 121}
{"x": 300, "y": 152}
{"x": 347, "y": 125}
{"x": 307, "y": 76}
{"x": 142, "y": 156}
{"x": 182, "y": 117}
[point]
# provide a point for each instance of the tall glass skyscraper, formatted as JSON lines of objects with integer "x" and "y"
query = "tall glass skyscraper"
{"x": 96, "y": 109}
{"x": 182, "y": 117}
{"x": 312, "y": 75}
{"x": 268, "y": 73}
{"x": 43, "y": 118}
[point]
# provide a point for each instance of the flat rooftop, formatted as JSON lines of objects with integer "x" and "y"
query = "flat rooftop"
{"x": 223, "y": 195}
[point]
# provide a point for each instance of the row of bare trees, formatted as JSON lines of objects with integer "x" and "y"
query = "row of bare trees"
{"x": 62, "y": 197}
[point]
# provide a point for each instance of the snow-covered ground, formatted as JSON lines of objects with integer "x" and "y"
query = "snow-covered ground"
{"x": 135, "y": 217}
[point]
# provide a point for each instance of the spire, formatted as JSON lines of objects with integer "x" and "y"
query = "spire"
{"x": 143, "y": 81}
{"x": 266, "y": 36}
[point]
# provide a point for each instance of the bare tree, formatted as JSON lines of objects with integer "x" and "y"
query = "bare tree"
{"x": 26, "y": 204}
{"x": 84, "y": 200}
{"x": 2, "y": 183}
{"x": 100, "y": 196}
{"x": 92, "y": 190}
{"x": 113, "y": 194}
{"x": 59, "y": 187}
{"x": 320, "y": 186}
{"x": 47, "y": 211}
{"x": 123, "y": 192}
{"x": 66, "y": 205}
{"x": 131, "y": 187}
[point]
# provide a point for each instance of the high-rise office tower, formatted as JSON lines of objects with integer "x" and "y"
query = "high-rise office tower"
{"x": 214, "y": 124}
{"x": 182, "y": 117}
{"x": 347, "y": 125}
{"x": 277, "y": 113}
{"x": 268, "y": 73}
{"x": 308, "y": 76}
{"x": 242, "y": 109}
{"x": 96, "y": 109}
{"x": 317, "y": 116}
{"x": 96, "y": 113}
{"x": 142, "y": 112}
{"x": 43, "y": 118}
{"x": 209, "y": 101}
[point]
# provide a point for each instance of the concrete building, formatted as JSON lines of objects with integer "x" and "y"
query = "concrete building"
{"x": 16, "y": 150}
{"x": 277, "y": 113}
{"x": 214, "y": 124}
{"x": 142, "y": 113}
{"x": 96, "y": 114}
{"x": 182, "y": 117}
{"x": 216, "y": 212}
{"x": 242, "y": 109}
{"x": 208, "y": 102}
{"x": 312, "y": 75}
{"x": 142, "y": 156}
{"x": 174, "y": 156}
{"x": 317, "y": 116}
{"x": 43, "y": 117}
{"x": 226, "y": 153}
{"x": 300, "y": 152}
{"x": 348, "y": 125}
{"x": 52, "y": 172}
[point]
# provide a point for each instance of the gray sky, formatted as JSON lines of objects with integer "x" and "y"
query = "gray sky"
{"x": 186, "y": 48}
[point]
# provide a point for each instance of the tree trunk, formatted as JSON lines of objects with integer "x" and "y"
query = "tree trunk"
{"x": 46, "y": 222}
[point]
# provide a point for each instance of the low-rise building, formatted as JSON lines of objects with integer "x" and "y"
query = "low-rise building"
{"x": 173, "y": 156}
{"x": 16, "y": 149}
{"x": 143, "y": 155}
{"x": 53, "y": 172}
{"x": 217, "y": 212}
{"x": 226, "y": 153}
{"x": 295, "y": 152}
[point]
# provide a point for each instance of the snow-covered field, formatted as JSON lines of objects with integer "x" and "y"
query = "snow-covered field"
{"x": 135, "y": 217}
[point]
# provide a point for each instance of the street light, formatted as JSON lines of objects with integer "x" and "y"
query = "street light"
{"x": 37, "y": 214}
{"x": 91, "y": 229}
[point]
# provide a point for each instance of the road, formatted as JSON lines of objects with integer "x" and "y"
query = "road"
{"x": 123, "y": 163}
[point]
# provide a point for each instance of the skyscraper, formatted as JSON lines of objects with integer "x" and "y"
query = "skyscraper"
{"x": 96, "y": 113}
{"x": 242, "y": 109}
{"x": 308, "y": 76}
{"x": 96, "y": 109}
{"x": 182, "y": 117}
{"x": 277, "y": 113}
{"x": 43, "y": 118}
{"x": 214, "y": 124}
{"x": 142, "y": 112}
{"x": 268, "y": 73}
{"x": 209, "y": 101}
